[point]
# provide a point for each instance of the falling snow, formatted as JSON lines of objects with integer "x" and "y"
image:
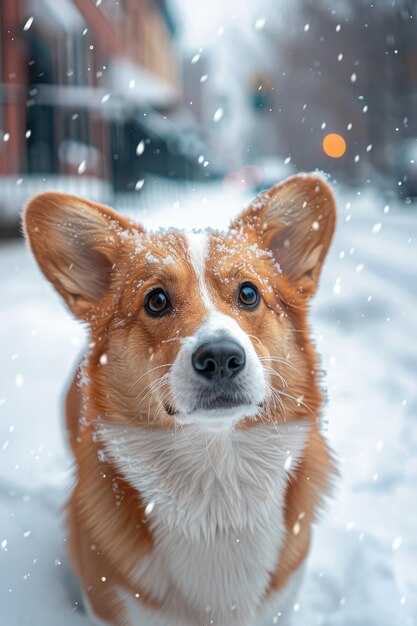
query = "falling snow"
{"x": 140, "y": 148}
{"x": 218, "y": 115}
{"x": 28, "y": 24}
{"x": 363, "y": 562}
{"x": 260, "y": 23}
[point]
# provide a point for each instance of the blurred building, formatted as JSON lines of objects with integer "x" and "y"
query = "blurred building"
{"x": 285, "y": 74}
{"x": 90, "y": 98}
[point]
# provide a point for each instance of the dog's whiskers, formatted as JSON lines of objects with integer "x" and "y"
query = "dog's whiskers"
{"x": 148, "y": 372}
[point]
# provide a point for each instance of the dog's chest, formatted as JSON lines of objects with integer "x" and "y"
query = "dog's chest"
{"x": 215, "y": 502}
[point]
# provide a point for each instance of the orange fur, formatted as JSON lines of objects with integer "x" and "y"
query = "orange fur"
{"x": 105, "y": 283}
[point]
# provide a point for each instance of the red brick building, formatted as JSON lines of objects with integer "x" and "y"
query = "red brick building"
{"x": 90, "y": 90}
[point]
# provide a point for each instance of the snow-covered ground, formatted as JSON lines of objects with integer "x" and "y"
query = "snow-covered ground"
{"x": 362, "y": 570}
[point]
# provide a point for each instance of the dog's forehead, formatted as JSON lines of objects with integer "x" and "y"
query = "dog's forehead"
{"x": 235, "y": 247}
{"x": 164, "y": 246}
{"x": 203, "y": 250}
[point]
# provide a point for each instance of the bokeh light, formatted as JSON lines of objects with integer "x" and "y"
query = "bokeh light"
{"x": 334, "y": 145}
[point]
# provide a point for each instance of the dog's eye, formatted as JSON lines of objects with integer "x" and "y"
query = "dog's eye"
{"x": 157, "y": 303}
{"x": 248, "y": 296}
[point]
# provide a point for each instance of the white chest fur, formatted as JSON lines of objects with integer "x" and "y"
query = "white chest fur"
{"x": 216, "y": 510}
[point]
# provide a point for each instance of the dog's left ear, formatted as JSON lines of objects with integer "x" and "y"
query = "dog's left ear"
{"x": 295, "y": 220}
{"x": 76, "y": 245}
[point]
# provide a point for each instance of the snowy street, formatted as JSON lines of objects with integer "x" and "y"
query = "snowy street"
{"x": 362, "y": 569}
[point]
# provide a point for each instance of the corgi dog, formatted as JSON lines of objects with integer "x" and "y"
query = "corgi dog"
{"x": 194, "y": 418}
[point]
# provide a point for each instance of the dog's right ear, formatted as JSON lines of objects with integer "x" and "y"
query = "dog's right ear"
{"x": 76, "y": 244}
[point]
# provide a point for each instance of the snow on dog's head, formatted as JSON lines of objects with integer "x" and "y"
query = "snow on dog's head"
{"x": 202, "y": 327}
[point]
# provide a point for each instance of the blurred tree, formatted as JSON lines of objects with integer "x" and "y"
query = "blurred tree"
{"x": 349, "y": 68}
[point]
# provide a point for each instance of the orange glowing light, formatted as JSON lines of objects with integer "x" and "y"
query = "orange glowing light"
{"x": 334, "y": 145}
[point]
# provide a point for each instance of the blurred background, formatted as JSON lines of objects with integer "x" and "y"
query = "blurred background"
{"x": 126, "y": 100}
{"x": 178, "y": 112}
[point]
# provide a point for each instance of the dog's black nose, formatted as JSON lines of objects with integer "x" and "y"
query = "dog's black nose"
{"x": 220, "y": 359}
